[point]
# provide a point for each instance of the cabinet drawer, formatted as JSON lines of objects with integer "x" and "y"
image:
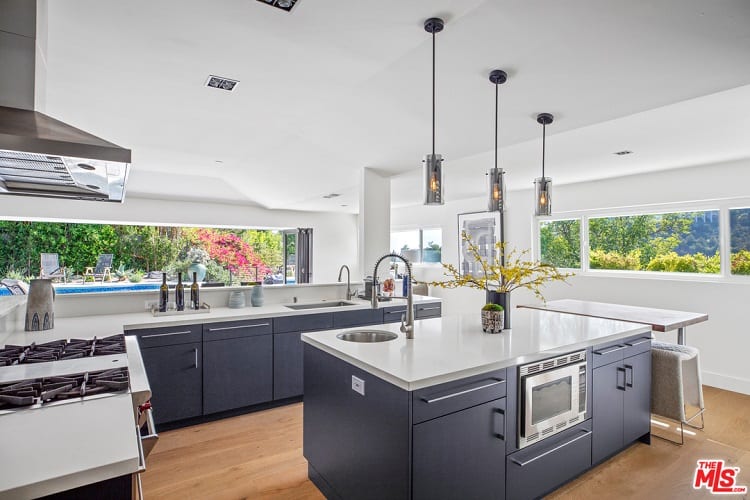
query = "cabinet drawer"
{"x": 433, "y": 402}
{"x": 393, "y": 314}
{"x": 611, "y": 352}
{"x": 171, "y": 335}
{"x": 360, "y": 317}
{"x": 303, "y": 323}
{"x": 422, "y": 311}
{"x": 237, "y": 329}
{"x": 534, "y": 471}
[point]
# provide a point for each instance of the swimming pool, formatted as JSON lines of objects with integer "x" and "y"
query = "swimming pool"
{"x": 96, "y": 288}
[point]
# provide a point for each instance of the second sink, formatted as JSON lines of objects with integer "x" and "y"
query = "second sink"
{"x": 320, "y": 305}
{"x": 367, "y": 336}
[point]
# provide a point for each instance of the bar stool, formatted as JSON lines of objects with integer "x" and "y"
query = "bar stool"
{"x": 676, "y": 382}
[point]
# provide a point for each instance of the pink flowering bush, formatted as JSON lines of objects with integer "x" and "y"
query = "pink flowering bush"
{"x": 232, "y": 252}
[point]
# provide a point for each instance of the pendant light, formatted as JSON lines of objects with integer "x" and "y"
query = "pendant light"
{"x": 496, "y": 176}
{"x": 542, "y": 184}
{"x": 433, "y": 163}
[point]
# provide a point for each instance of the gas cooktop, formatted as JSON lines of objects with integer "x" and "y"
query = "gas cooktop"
{"x": 61, "y": 349}
{"x": 38, "y": 392}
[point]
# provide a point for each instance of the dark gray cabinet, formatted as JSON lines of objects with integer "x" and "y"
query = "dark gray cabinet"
{"x": 359, "y": 317}
{"x": 621, "y": 397}
{"x": 544, "y": 466}
{"x": 288, "y": 365}
{"x": 461, "y": 455}
{"x": 175, "y": 375}
{"x": 237, "y": 365}
{"x": 430, "y": 310}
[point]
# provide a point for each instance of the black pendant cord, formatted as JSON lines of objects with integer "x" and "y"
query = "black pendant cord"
{"x": 433, "y": 96}
{"x": 544, "y": 147}
{"x": 497, "y": 122}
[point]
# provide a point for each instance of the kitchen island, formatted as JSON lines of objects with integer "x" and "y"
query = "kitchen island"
{"x": 444, "y": 415}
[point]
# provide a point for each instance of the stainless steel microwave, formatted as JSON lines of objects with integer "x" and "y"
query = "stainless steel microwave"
{"x": 553, "y": 396}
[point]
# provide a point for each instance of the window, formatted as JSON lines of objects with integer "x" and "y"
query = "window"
{"x": 418, "y": 245}
{"x": 681, "y": 242}
{"x": 739, "y": 240}
{"x": 139, "y": 255}
{"x": 560, "y": 243}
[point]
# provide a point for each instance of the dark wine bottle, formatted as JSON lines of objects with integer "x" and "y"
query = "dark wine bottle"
{"x": 194, "y": 298}
{"x": 179, "y": 293}
{"x": 163, "y": 293}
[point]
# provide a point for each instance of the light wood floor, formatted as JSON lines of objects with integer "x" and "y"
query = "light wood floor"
{"x": 260, "y": 456}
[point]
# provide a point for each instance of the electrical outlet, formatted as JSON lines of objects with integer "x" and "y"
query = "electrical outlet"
{"x": 358, "y": 385}
{"x": 150, "y": 304}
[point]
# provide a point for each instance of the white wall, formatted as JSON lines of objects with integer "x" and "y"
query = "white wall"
{"x": 334, "y": 235}
{"x": 724, "y": 340}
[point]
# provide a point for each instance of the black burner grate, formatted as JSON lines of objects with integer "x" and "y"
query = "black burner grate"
{"x": 61, "y": 349}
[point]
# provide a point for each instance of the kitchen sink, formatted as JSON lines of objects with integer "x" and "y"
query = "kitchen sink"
{"x": 367, "y": 336}
{"x": 320, "y": 305}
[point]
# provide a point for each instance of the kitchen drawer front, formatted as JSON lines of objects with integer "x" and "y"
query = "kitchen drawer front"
{"x": 637, "y": 345}
{"x": 393, "y": 314}
{"x": 171, "y": 335}
{"x": 433, "y": 402}
{"x": 360, "y": 317}
{"x": 534, "y": 471}
{"x": 303, "y": 323}
{"x": 236, "y": 329}
{"x": 611, "y": 352}
{"x": 422, "y": 311}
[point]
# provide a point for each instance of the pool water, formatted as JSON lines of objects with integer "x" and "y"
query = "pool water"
{"x": 97, "y": 288}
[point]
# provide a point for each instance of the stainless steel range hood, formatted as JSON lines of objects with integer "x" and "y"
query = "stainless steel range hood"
{"x": 39, "y": 155}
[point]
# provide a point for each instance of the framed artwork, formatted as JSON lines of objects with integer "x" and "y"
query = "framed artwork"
{"x": 484, "y": 229}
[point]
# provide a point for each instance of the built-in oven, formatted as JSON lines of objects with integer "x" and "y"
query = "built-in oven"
{"x": 552, "y": 396}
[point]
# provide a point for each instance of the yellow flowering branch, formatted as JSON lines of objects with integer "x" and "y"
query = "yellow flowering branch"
{"x": 518, "y": 271}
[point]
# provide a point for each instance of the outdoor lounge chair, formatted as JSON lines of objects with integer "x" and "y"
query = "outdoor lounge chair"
{"x": 50, "y": 267}
{"x": 16, "y": 287}
{"x": 102, "y": 269}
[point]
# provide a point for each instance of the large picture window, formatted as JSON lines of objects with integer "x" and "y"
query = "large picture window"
{"x": 679, "y": 242}
{"x": 85, "y": 258}
{"x": 739, "y": 240}
{"x": 418, "y": 245}
{"x": 560, "y": 243}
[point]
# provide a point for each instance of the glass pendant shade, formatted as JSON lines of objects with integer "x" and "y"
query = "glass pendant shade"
{"x": 542, "y": 198}
{"x": 433, "y": 179}
{"x": 496, "y": 190}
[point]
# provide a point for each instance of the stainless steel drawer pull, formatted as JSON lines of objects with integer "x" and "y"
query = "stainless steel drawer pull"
{"x": 556, "y": 448}
{"x": 221, "y": 328}
{"x": 154, "y": 335}
{"x": 461, "y": 393}
{"x": 633, "y": 344}
{"x": 195, "y": 351}
{"x": 428, "y": 308}
{"x": 609, "y": 351}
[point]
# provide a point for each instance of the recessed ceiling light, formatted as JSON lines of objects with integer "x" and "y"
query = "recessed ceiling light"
{"x": 332, "y": 195}
{"x": 344, "y": 205}
{"x": 220, "y": 82}
{"x": 623, "y": 152}
{"x": 285, "y": 5}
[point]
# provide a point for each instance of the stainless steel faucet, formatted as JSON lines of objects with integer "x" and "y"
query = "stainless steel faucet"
{"x": 407, "y": 324}
{"x": 349, "y": 293}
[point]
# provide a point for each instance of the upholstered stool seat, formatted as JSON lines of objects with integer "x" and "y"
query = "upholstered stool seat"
{"x": 675, "y": 383}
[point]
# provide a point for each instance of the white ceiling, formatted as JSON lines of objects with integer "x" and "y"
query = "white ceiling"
{"x": 338, "y": 85}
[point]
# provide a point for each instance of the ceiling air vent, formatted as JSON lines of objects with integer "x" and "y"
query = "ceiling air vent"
{"x": 285, "y": 5}
{"x": 332, "y": 195}
{"x": 219, "y": 82}
{"x": 623, "y": 152}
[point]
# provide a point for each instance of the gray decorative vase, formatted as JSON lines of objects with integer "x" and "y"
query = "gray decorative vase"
{"x": 493, "y": 321}
{"x": 256, "y": 296}
{"x": 40, "y": 306}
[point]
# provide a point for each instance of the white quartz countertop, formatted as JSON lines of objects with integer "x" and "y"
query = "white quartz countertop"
{"x": 454, "y": 347}
{"x": 65, "y": 446}
{"x": 110, "y": 324}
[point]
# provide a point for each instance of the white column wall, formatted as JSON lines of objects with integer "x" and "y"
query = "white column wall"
{"x": 374, "y": 218}
{"x": 724, "y": 340}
